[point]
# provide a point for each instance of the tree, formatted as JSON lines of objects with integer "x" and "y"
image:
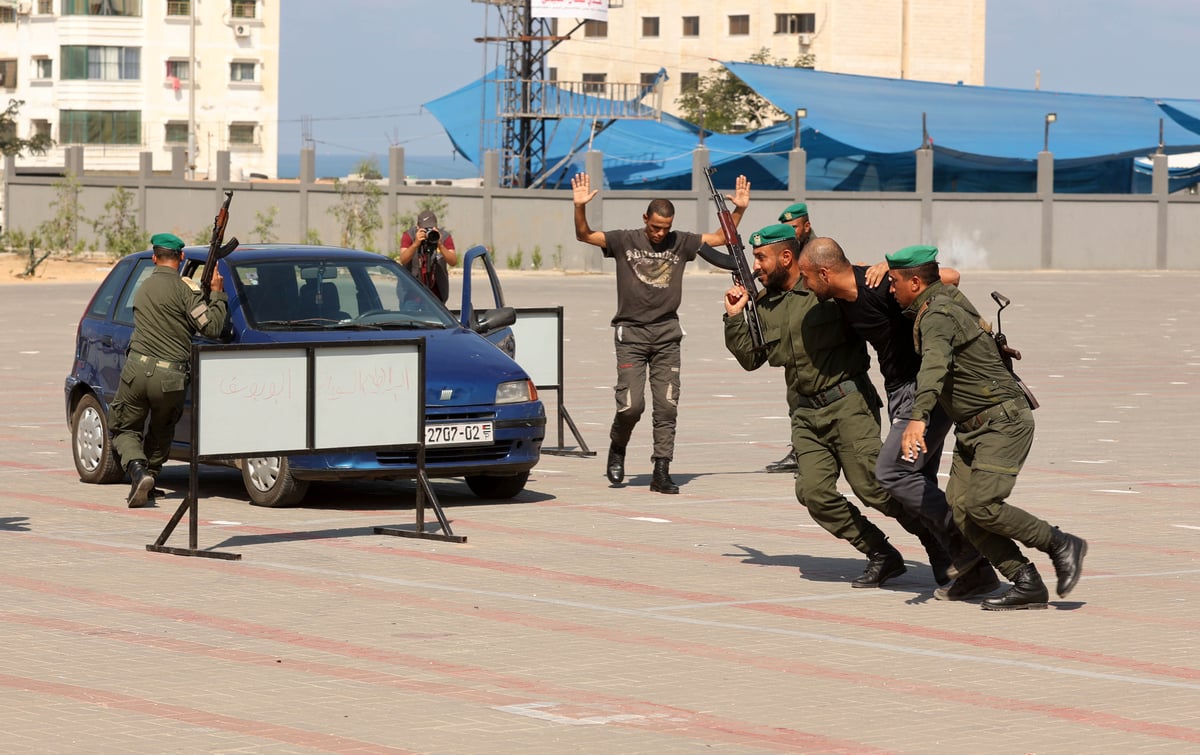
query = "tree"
{"x": 368, "y": 168}
{"x": 10, "y": 144}
{"x": 61, "y": 232}
{"x": 723, "y": 103}
{"x": 119, "y": 225}
{"x": 357, "y": 212}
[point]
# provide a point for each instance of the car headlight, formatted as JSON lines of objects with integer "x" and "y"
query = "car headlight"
{"x": 516, "y": 392}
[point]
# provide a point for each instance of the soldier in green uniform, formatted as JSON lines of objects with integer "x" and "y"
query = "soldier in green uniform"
{"x": 833, "y": 405}
{"x": 167, "y": 310}
{"x": 961, "y": 369}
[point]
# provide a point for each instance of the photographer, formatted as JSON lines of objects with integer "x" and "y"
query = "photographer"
{"x": 428, "y": 253}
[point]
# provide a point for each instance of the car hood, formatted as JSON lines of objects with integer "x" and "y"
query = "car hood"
{"x": 461, "y": 367}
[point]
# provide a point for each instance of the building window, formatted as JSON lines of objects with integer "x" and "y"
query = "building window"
{"x": 179, "y": 7}
{"x": 242, "y": 133}
{"x": 593, "y": 83}
{"x": 179, "y": 69}
{"x": 100, "y": 126}
{"x": 39, "y": 127}
{"x": 795, "y": 23}
{"x": 8, "y": 15}
{"x": 688, "y": 81}
{"x": 8, "y": 73}
{"x": 647, "y": 79}
{"x": 244, "y": 8}
{"x": 552, "y": 74}
{"x": 649, "y": 26}
{"x": 43, "y": 68}
{"x": 101, "y": 63}
{"x": 242, "y": 72}
{"x": 45, "y": 7}
{"x": 739, "y": 26}
{"x": 595, "y": 28}
{"x": 8, "y": 131}
{"x": 691, "y": 26}
{"x": 102, "y": 7}
{"x": 175, "y": 132}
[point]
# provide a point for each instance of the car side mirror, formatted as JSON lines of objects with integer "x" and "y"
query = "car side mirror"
{"x": 494, "y": 319}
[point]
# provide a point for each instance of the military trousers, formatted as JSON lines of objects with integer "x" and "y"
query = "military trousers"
{"x": 914, "y": 483}
{"x": 148, "y": 391}
{"x": 987, "y": 460}
{"x": 636, "y": 362}
{"x": 842, "y": 437}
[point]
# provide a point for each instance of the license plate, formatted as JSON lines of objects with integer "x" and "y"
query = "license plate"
{"x": 458, "y": 434}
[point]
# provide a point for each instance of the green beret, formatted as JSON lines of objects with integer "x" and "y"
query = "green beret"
{"x": 798, "y": 210}
{"x": 167, "y": 241}
{"x": 772, "y": 234}
{"x": 912, "y": 256}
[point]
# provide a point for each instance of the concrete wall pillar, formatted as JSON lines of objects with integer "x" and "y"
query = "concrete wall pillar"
{"x": 145, "y": 173}
{"x": 593, "y": 258}
{"x": 1161, "y": 188}
{"x": 308, "y": 176}
{"x": 395, "y": 181}
{"x": 1045, "y": 191}
{"x": 178, "y": 163}
{"x": 798, "y": 173}
{"x": 924, "y": 190}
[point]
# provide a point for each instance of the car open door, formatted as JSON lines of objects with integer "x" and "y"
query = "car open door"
{"x": 483, "y": 309}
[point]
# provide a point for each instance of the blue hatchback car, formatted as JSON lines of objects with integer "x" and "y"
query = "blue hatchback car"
{"x": 483, "y": 419}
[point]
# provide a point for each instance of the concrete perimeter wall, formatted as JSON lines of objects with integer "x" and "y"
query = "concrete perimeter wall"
{"x": 973, "y": 231}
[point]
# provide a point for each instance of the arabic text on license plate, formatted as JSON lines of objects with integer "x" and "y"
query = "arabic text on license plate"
{"x": 459, "y": 434}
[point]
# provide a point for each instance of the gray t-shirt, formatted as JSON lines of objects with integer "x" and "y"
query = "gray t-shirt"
{"x": 649, "y": 277}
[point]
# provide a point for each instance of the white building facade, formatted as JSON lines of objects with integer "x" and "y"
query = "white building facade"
{"x": 927, "y": 40}
{"x": 122, "y": 77}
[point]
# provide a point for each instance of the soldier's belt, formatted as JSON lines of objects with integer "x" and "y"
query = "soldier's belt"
{"x": 158, "y": 362}
{"x": 1008, "y": 409}
{"x": 830, "y": 395}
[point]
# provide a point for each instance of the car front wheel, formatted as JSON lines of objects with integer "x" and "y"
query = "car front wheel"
{"x": 95, "y": 459}
{"x": 269, "y": 481}
{"x": 497, "y": 488}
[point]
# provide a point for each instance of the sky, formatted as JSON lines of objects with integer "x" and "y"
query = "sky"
{"x": 362, "y": 76}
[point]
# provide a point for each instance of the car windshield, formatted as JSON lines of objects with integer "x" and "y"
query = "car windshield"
{"x": 312, "y": 294}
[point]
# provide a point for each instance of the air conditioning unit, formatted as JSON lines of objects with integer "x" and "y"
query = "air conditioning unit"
{"x": 805, "y": 40}
{"x": 241, "y": 30}
{"x": 24, "y": 8}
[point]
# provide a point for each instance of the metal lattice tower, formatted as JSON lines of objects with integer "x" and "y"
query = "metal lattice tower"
{"x": 526, "y": 101}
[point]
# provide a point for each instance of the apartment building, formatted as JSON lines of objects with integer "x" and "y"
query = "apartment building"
{"x": 927, "y": 40}
{"x": 122, "y": 77}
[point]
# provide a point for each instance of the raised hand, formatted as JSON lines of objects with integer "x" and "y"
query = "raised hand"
{"x": 581, "y": 189}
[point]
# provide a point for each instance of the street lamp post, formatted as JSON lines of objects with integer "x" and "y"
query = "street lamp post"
{"x": 1050, "y": 118}
{"x": 801, "y": 114}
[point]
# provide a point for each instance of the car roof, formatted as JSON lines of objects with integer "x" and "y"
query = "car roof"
{"x": 258, "y": 252}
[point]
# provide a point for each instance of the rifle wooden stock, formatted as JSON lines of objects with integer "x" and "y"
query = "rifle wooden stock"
{"x": 742, "y": 274}
{"x": 217, "y": 249}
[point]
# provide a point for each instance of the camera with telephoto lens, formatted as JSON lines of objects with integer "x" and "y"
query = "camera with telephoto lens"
{"x": 432, "y": 235}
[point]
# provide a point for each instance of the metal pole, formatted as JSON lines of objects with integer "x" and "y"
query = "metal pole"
{"x": 191, "y": 171}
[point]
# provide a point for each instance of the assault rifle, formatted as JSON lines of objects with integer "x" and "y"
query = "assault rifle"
{"x": 1008, "y": 353}
{"x": 742, "y": 274}
{"x": 215, "y": 250}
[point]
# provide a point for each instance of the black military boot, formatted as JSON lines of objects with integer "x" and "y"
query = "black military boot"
{"x": 140, "y": 484}
{"x": 1028, "y": 591}
{"x": 882, "y": 565}
{"x": 979, "y": 580}
{"x": 662, "y": 482}
{"x": 614, "y": 470}
{"x": 1067, "y": 552}
{"x": 786, "y": 464}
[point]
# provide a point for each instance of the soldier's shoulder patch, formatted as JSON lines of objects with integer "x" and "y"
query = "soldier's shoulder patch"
{"x": 192, "y": 284}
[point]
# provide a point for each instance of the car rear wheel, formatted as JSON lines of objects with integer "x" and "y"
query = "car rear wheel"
{"x": 499, "y": 488}
{"x": 269, "y": 481}
{"x": 95, "y": 459}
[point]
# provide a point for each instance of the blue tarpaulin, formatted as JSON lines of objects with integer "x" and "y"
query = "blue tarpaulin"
{"x": 860, "y": 133}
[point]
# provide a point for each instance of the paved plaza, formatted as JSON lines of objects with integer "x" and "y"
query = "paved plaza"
{"x": 586, "y": 618}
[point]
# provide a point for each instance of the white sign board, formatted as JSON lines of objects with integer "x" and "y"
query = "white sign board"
{"x": 252, "y": 400}
{"x": 595, "y": 10}
{"x": 367, "y": 396}
{"x": 538, "y": 343}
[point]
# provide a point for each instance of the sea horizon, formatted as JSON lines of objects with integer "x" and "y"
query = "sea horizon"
{"x": 415, "y": 165}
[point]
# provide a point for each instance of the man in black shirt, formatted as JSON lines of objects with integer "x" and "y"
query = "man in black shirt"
{"x": 874, "y": 313}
